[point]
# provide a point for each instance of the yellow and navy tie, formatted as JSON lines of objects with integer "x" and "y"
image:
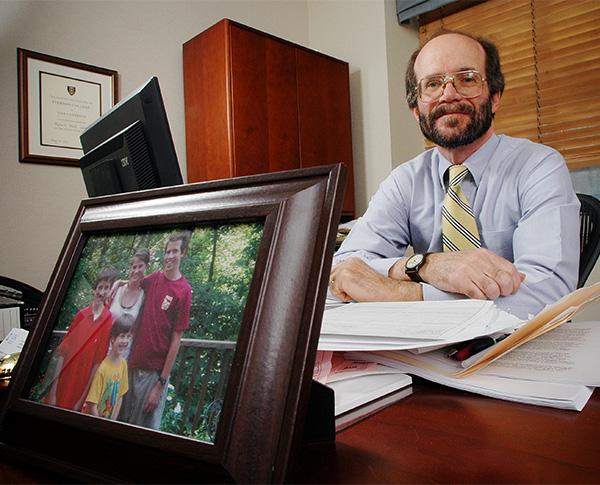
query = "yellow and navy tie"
{"x": 459, "y": 229}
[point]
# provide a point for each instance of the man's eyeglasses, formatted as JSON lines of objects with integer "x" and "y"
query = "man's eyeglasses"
{"x": 469, "y": 84}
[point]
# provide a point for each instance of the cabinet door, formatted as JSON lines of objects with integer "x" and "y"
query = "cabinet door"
{"x": 206, "y": 87}
{"x": 324, "y": 113}
{"x": 264, "y": 104}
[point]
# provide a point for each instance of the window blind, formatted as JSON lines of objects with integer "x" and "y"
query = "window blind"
{"x": 550, "y": 53}
{"x": 406, "y": 9}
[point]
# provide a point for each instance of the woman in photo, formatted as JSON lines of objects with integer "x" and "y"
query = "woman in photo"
{"x": 129, "y": 297}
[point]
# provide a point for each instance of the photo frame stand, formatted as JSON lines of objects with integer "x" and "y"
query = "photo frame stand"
{"x": 319, "y": 426}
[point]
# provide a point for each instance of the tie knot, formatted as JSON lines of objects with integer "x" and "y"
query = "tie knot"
{"x": 456, "y": 174}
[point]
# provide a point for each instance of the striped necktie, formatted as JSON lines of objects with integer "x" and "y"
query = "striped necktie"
{"x": 459, "y": 229}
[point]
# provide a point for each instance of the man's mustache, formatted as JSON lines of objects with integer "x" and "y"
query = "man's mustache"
{"x": 451, "y": 108}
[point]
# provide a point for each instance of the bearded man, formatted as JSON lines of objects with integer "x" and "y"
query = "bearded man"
{"x": 508, "y": 227}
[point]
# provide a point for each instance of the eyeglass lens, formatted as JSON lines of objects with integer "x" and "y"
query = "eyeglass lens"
{"x": 468, "y": 84}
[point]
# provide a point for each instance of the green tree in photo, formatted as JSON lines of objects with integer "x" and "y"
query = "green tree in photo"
{"x": 219, "y": 266}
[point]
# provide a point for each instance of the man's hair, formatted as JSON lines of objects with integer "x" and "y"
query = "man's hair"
{"x": 183, "y": 236}
{"x": 123, "y": 324}
{"x": 493, "y": 71}
{"x": 108, "y": 273}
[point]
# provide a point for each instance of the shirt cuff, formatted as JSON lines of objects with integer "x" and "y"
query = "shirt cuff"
{"x": 431, "y": 293}
{"x": 382, "y": 266}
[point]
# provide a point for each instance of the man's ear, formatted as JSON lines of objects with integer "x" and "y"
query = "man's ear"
{"x": 415, "y": 112}
{"x": 496, "y": 102}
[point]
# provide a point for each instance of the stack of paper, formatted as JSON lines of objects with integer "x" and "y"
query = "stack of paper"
{"x": 361, "y": 388}
{"x": 410, "y": 325}
{"x": 557, "y": 369}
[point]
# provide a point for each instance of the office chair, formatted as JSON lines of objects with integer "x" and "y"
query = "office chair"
{"x": 589, "y": 216}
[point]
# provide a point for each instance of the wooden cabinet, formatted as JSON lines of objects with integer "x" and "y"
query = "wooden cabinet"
{"x": 255, "y": 103}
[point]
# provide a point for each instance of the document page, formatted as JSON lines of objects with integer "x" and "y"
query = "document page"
{"x": 13, "y": 342}
{"x": 437, "y": 368}
{"x": 411, "y": 320}
{"x": 570, "y": 353}
{"x": 548, "y": 319}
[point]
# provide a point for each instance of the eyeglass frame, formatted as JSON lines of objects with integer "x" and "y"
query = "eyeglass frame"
{"x": 446, "y": 78}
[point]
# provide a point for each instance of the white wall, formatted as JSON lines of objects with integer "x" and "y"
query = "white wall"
{"x": 367, "y": 35}
{"x": 143, "y": 38}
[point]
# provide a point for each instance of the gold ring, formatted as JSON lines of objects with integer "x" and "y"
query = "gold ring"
{"x": 332, "y": 282}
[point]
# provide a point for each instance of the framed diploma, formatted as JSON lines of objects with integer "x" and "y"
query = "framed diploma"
{"x": 58, "y": 99}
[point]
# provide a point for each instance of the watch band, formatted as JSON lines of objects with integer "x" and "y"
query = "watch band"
{"x": 413, "y": 271}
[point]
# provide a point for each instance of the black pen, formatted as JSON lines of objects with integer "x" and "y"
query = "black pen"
{"x": 452, "y": 351}
{"x": 475, "y": 357}
{"x": 477, "y": 345}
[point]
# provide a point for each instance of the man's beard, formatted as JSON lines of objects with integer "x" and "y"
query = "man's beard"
{"x": 481, "y": 120}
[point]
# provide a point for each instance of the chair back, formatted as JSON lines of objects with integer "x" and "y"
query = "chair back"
{"x": 589, "y": 231}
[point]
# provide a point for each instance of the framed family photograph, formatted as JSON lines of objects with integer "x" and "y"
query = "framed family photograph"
{"x": 178, "y": 334}
{"x": 58, "y": 99}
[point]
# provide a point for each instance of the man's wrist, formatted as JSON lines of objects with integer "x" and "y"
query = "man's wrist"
{"x": 406, "y": 291}
{"x": 162, "y": 381}
{"x": 397, "y": 271}
{"x": 414, "y": 265}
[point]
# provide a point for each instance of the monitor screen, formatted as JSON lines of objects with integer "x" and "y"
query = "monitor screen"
{"x": 130, "y": 147}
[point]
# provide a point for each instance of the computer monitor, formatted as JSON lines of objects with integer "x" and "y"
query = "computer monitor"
{"x": 130, "y": 147}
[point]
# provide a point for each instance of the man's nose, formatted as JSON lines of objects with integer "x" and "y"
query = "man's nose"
{"x": 450, "y": 93}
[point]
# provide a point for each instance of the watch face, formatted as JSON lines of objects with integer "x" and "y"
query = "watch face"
{"x": 414, "y": 260}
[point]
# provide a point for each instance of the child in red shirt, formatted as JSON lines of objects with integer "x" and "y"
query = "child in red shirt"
{"x": 83, "y": 348}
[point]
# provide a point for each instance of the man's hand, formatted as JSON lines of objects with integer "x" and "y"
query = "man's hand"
{"x": 153, "y": 397}
{"x": 113, "y": 289}
{"x": 353, "y": 279}
{"x": 476, "y": 273}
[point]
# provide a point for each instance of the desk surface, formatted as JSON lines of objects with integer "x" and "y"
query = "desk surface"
{"x": 446, "y": 436}
{"x": 441, "y": 435}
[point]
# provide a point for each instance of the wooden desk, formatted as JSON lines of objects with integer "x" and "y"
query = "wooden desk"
{"x": 440, "y": 435}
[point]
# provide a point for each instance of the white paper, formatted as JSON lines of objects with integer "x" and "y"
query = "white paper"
{"x": 551, "y": 394}
{"x": 14, "y": 341}
{"x": 556, "y": 369}
{"x": 569, "y": 353}
{"x": 410, "y": 325}
{"x": 398, "y": 319}
{"x": 350, "y": 393}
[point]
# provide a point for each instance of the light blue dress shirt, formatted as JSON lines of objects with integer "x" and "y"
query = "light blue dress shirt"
{"x": 524, "y": 205}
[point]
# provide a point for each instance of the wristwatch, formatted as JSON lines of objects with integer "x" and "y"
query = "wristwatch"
{"x": 414, "y": 264}
{"x": 162, "y": 380}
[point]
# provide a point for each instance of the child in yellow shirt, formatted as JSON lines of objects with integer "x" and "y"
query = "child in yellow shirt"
{"x": 110, "y": 382}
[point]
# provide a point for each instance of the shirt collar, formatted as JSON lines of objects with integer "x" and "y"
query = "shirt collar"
{"x": 476, "y": 163}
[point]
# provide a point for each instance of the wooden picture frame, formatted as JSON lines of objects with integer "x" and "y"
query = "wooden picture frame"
{"x": 58, "y": 99}
{"x": 266, "y": 397}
